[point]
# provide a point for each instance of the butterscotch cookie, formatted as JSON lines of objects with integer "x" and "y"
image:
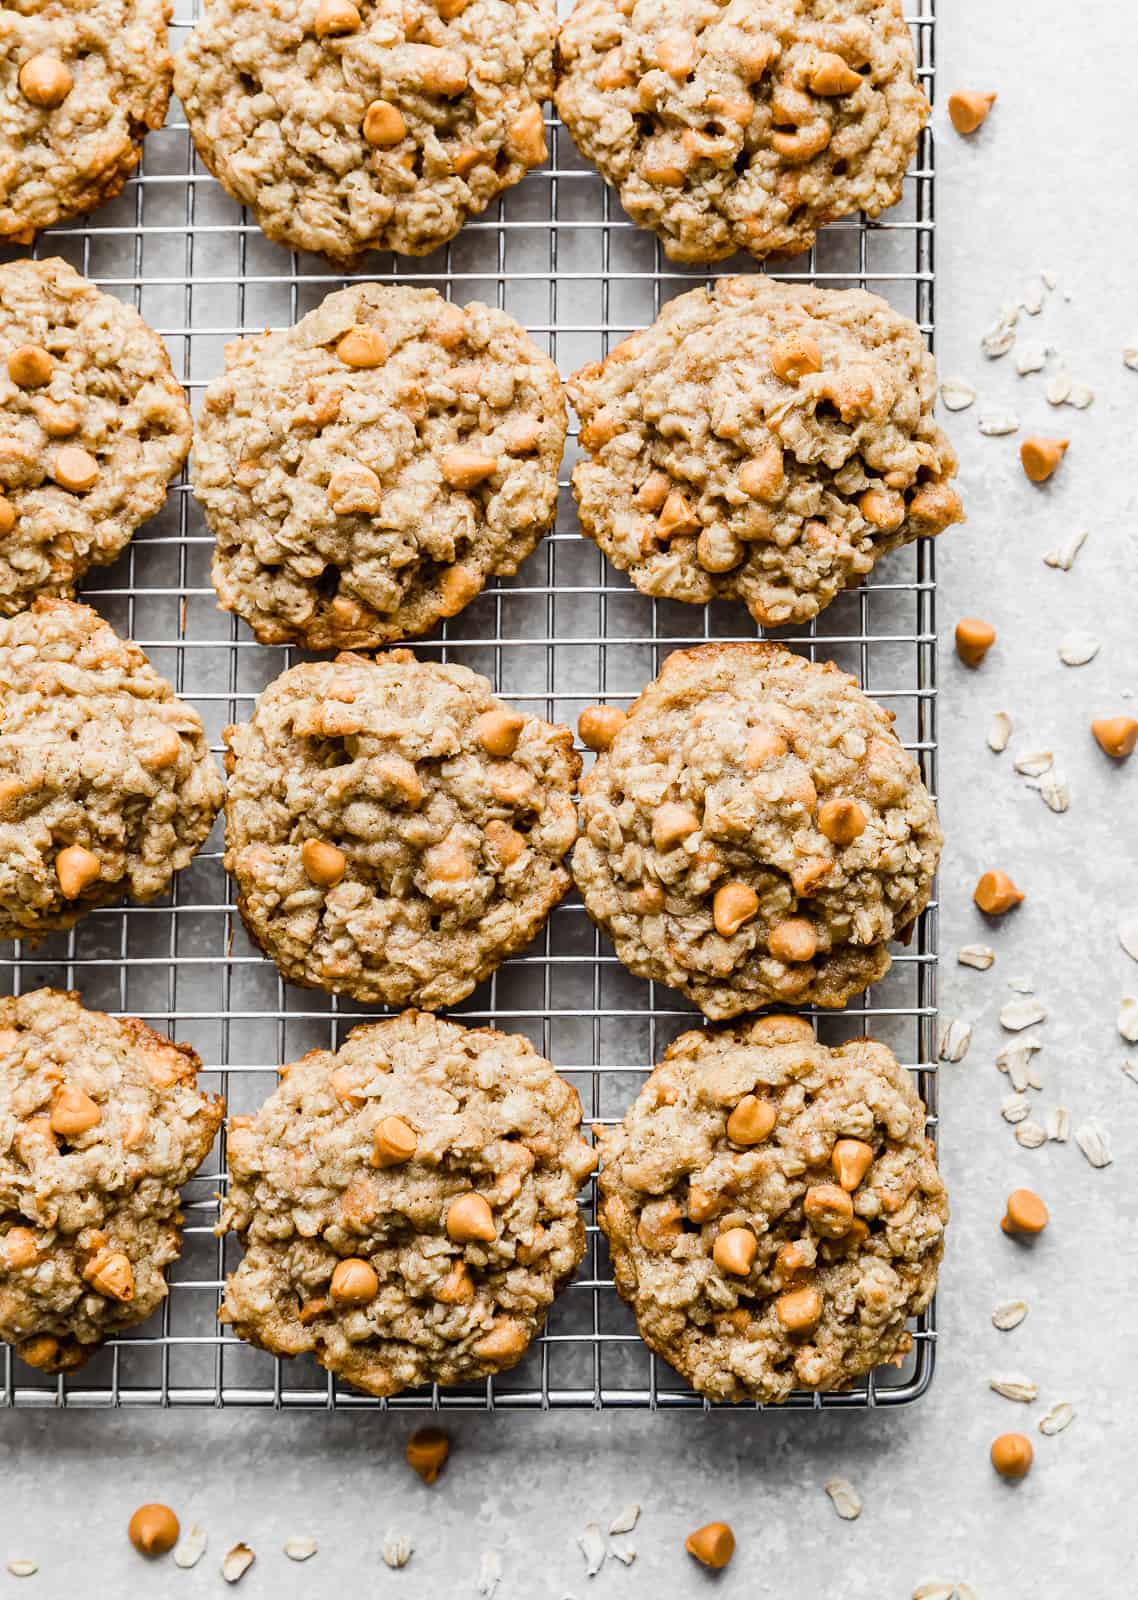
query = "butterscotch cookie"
{"x": 94, "y": 426}
{"x": 81, "y": 84}
{"x": 107, "y": 786}
{"x": 773, "y": 1209}
{"x": 762, "y": 441}
{"x": 350, "y": 128}
{"x": 101, "y": 1122}
{"x": 755, "y": 833}
{"x": 745, "y": 125}
{"x": 394, "y": 830}
{"x": 366, "y": 471}
{"x": 408, "y": 1205}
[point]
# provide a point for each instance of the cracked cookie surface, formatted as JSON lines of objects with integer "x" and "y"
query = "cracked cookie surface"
{"x": 95, "y": 425}
{"x": 773, "y": 1209}
{"x": 765, "y": 442}
{"x": 107, "y": 785}
{"x": 408, "y": 1205}
{"x": 101, "y": 1123}
{"x": 755, "y": 834}
{"x": 366, "y": 471}
{"x": 394, "y": 830}
{"x": 81, "y": 84}
{"x": 378, "y": 126}
{"x": 745, "y": 125}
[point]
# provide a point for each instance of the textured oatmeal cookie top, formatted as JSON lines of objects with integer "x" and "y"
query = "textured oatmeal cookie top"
{"x": 408, "y": 1205}
{"x": 81, "y": 83}
{"x": 101, "y": 1123}
{"x": 743, "y": 125}
{"x": 94, "y": 426}
{"x": 107, "y": 786}
{"x": 395, "y": 831}
{"x": 756, "y": 833}
{"x": 773, "y": 1209}
{"x": 762, "y": 441}
{"x": 366, "y": 471}
{"x": 382, "y": 125}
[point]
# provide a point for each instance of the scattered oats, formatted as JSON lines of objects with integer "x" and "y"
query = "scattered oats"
{"x": 957, "y": 395}
{"x": 1034, "y": 763}
{"x": 1033, "y": 296}
{"x": 300, "y": 1547}
{"x": 1054, "y": 791}
{"x": 1080, "y": 395}
{"x": 844, "y": 1498}
{"x": 1059, "y": 1417}
{"x": 1130, "y": 1068}
{"x": 23, "y": 1567}
{"x": 965, "y": 1591}
{"x": 954, "y": 1040}
{"x": 191, "y": 1546}
{"x": 1000, "y": 732}
{"x": 979, "y": 956}
{"x": 1001, "y": 335}
{"x": 1034, "y": 1081}
{"x": 625, "y": 1519}
{"x": 592, "y": 1545}
{"x": 397, "y": 1549}
{"x": 1064, "y": 557}
{"x": 1076, "y": 649}
{"x": 1009, "y": 1314}
{"x": 1128, "y": 936}
{"x": 1128, "y": 1018}
{"x": 1021, "y": 1389}
{"x": 627, "y": 1555}
{"x": 1030, "y": 358}
{"x": 1015, "y": 1060}
{"x": 489, "y": 1572}
{"x": 995, "y": 424}
{"x": 1058, "y": 388}
{"x": 934, "y": 1590}
{"x": 236, "y": 1563}
{"x": 1092, "y": 1140}
{"x": 1059, "y": 1124}
{"x": 1022, "y": 983}
{"x": 1022, "y": 1013}
{"x": 1130, "y": 356}
{"x": 1014, "y": 1108}
{"x": 1031, "y": 1135}
{"x": 1050, "y": 280}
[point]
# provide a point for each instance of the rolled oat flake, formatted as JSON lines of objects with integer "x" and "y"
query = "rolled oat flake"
{"x": 1009, "y": 1314}
{"x": 1059, "y": 1417}
{"x": 845, "y": 1498}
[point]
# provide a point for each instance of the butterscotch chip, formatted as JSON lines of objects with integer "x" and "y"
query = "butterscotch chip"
{"x": 825, "y": 1300}
{"x": 383, "y": 493}
{"x": 677, "y": 800}
{"x": 74, "y": 497}
{"x": 405, "y": 818}
{"x": 82, "y": 713}
{"x": 782, "y": 133}
{"x": 350, "y": 128}
{"x": 811, "y": 449}
{"x": 495, "y": 1123}
{"x": 84, "y": 81}
{"x": 93, "y": 1210}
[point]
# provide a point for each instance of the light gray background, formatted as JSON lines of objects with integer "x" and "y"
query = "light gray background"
{"x": 1044, "y": 185}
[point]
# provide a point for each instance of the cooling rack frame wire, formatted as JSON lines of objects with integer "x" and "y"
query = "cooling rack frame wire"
{"x": 558, "y": 254}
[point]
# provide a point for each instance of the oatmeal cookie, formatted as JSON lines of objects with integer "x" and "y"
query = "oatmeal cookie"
{"x": 101, "y": 1123}
{"x": 94, "y": 427}
{"x": 743, "y": 125}
{"x": 366, "y": 471}
{"x": 382, "y": 126}
{"x": 773, "y": 1209}
{"x": 765, "y": 442}
{"x": 755, "y": 833}
{"x": 394, "y": 831}
{"x": 107, "y": 786}
{"x": 81, "y": 84}
{"x": 408, "y": 1205}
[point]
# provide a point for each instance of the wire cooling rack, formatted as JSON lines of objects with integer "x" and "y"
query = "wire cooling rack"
{"x": 557, "y": 253}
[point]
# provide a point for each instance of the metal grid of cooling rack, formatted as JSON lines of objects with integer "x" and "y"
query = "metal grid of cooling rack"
{"x": 559, "y": 256}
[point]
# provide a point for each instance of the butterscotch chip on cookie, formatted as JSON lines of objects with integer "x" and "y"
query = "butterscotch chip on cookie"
{"x": 787, "y": 1250}
{"x": 745, "y": 125}
{"x": 93, "y": 426}
{"x": 755, "y": 834}
{"x": 380, "y": 127}
{"x": 408, "y": 1205}
{"x": 107, "y": 786}
{"x": 762, "y": 441}
{"x": 366, "y": 471}
{"x": 101, "y": 1122}
{"x": 394, "y": 830}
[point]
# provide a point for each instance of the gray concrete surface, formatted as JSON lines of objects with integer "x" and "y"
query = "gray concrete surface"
{"x": 1043, "y": 186}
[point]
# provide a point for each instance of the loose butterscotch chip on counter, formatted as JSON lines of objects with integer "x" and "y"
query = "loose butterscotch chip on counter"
{"x": 968, "y": 108}
{"x": 153, "y": 1529}
{"x": 974, "y": 638}
{"x": 1117, "y": 736}
{"x": 427, "y": 1450}
{"x": 1041, "y": 457}
{"x": 995, "y": 893}
{"x": 1012, "y": 1455}
{"x": 1025, "y": 1213}
{"x": 713, "y": 1545}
